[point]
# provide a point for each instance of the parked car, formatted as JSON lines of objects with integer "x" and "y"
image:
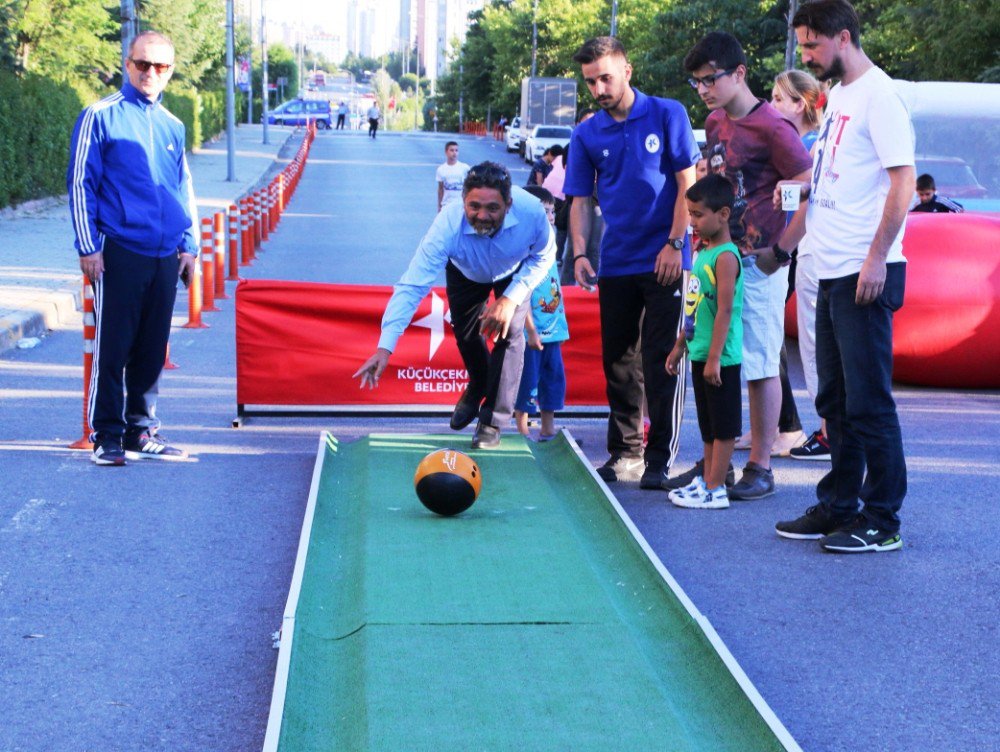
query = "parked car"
{"x": 542, "y": 137}
{"x": 952, "y": 176}
{"x": 301, "y": 111}
{"x": 513, "y": 135}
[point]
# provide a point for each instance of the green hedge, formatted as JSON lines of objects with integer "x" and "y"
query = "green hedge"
{"x": 36, "y": 122}
{"x": 203, "y": 113}
{"x": 37, "y": 115}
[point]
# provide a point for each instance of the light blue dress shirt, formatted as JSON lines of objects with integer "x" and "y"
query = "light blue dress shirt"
{"x": 525, "y": 240}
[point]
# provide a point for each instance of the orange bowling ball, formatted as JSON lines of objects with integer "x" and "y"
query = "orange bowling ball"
{"x": 447, "y": 482}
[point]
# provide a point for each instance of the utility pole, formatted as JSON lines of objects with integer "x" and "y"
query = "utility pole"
{"x": 230, "y": 91}
{"x": 790, "y": 44}
{"x": 461, "y": 95}
{"x": 416, "y": 111}
{"x": 130, "y": 25}
{"x": 250, "y": 64}
{"x": 534, "y": 41}
{"x": 614, "y": 18}
{"x": 264, "y": 94}
{"x": 302, "y": 48}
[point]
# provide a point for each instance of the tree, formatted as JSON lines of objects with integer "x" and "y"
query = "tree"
{"x": 934, "y": 40}
{"x": 197, "y": 29}
{"x": 59, "y": 39}
{"x": 658, "y": 49}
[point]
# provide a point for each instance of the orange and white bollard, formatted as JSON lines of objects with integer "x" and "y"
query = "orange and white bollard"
{"x": 207, "y": 266}
{"x": 234, "y": 243}
{"x": 169, "y": 365}
{"x": 219, "y": 233}
{"x": 194, "y": 297}
{"x": 275, "y": 204}
{"x": 265, "y": 214}
{"x": 89, "y": 335}
{"x": 246, "y": 233}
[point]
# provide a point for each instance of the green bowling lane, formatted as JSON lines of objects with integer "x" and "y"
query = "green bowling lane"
{"x": 533, "y": 621}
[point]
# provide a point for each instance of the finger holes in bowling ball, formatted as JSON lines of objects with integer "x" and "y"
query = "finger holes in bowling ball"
{"x": 447, "y": 482}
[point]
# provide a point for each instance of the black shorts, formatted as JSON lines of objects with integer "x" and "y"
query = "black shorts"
{"x": 720, "y": 408}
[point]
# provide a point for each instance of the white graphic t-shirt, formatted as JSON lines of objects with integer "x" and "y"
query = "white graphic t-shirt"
{"x": 452, "y": 177}
{"x": 866, "y": 130}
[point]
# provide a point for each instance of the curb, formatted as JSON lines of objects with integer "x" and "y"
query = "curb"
{"x": 37, "y": 315}
{"x": 40, "y": 315}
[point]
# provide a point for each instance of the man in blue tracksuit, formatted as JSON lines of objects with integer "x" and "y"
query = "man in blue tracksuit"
{"x": 133, "y": 213}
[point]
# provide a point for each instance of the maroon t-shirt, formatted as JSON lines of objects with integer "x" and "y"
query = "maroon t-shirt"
{"x": 755, "y": 152}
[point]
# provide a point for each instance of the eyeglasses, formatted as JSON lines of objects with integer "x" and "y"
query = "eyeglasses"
{"x": 709, "y": 81}
{"x": 145, "y": 65}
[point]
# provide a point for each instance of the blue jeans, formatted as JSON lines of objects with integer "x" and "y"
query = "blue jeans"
{"x": 543, "y": 380}
{"x": 854, "y": 361}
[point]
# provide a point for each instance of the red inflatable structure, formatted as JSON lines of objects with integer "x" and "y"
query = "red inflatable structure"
{"x": 947, "y": 334}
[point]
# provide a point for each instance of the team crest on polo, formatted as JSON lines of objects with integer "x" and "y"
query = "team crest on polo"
{"x": 652, "y": 143}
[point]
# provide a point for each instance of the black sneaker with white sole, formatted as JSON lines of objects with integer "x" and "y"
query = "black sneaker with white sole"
{"x": 108, "y": 452}
{"x": 816, "y": 448}
{"x": 861, "y": 537}
{"x": 653, "y": 476}
{"x": 152, "y": 447}
{"x": 816, "y": 523}
{"x": 622, "y": 469}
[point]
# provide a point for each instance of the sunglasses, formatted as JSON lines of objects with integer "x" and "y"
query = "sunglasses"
{"x": 709, "y": 81}
{"x": 145, "y": 65}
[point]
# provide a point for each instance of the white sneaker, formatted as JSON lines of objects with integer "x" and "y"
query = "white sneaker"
{"x": 786, "y": 442}
{"x": 694, "y": 489}
{"x": 715, "y": 499}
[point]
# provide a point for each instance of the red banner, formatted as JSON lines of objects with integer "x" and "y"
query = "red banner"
{"x": 299, "y": 343}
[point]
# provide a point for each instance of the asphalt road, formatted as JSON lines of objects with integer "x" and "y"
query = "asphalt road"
{"x": 137, "y": 604}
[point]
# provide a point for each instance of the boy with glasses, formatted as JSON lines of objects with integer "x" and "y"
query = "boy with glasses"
{"x": 754, "y": 146}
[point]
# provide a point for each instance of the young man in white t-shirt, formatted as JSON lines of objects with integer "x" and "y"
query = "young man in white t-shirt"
{"x": 862, "y": 182}
{"x": 450, "y": 176}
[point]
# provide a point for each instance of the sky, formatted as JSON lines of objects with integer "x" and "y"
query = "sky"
{"x": 329, "y": 15}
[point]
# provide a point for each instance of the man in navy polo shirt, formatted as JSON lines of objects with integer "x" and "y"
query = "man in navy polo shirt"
{"x": 642, "y": 152}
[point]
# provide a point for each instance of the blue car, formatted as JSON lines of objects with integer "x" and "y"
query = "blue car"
{"x": 300, "y": 112}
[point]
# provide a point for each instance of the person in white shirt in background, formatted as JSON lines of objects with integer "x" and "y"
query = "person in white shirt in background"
{"x": 374, "y": 115}
{"x": 450, "y": 176}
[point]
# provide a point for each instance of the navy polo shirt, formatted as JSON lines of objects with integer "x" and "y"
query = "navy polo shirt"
{"x": 634, "y": 163}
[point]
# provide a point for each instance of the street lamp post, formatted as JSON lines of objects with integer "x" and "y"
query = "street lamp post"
{"x": 264, "y": 93}
{"x": 461, "y": 96}
{"x": 250, "y": 64}
{"x": 614, "y": 18}
{"x": 534, "y": 41}
{"x": 230, "y": 94}
{"x": 129, "y": 23}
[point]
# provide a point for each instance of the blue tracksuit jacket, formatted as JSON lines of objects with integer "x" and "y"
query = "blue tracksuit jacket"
{"x": 128, "y": 178}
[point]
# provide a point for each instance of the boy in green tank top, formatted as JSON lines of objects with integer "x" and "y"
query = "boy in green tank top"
{"x": 713, "y": 338}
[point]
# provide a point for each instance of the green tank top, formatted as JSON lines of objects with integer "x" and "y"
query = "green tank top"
{"x": 701, "y": 304}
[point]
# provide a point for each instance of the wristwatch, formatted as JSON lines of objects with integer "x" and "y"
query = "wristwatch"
{"x": 677, "y": 243}
{"x": 781, "y": 256}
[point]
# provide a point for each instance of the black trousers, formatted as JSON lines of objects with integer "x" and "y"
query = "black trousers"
{"x": 494, "y": 375}
{"x": 372, "y": 126}
{"x": 133, "y": 305}
{"x": 640, "y": 319}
